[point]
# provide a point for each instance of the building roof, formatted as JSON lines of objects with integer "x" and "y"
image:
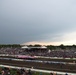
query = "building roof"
{"x": 42, "y": 47}
{"x": 24, "y": 47}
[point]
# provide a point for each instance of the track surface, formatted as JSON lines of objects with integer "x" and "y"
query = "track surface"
{"x": 36, "y": 65}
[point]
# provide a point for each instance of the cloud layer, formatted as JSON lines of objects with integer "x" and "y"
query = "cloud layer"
{"x": 49, "y": 22}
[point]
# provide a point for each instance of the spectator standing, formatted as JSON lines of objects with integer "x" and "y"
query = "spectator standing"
{"x": 51, "y": 73}
{"x": 29, "y": 72}
{"x": 40, "y": 73}
{"x": 66, "y": 74}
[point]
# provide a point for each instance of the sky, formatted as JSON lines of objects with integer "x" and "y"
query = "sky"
{"x": 46, "y": 22}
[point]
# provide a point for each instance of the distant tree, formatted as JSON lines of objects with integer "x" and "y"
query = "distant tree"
{"x": 37, "y": 45}
{"x": 62, "y": 46}
{"x": 74, "y": 46}
{"x": 51, "y": 47}
{"x": 30, "y": 45}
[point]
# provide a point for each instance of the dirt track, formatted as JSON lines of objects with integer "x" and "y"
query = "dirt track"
{"x": 52, "y": 66}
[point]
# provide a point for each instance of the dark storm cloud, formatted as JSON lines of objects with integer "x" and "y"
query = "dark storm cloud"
{"x": 36, "y": 20}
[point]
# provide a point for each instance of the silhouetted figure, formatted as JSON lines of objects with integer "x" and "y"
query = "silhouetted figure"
{"x": 40, "y": 73}
{"x": 29, "y": 72}
{"x": 66, "y": 74}
{"x": 51, "y": 73}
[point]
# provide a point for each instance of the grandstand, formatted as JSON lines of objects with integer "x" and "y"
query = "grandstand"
{"x": 51, "y": 60}
{"x": 42, "y": 47}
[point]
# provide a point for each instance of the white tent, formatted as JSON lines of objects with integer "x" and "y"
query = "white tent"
{"x": 42, "y": 47}
{"x": 25, "y": 47}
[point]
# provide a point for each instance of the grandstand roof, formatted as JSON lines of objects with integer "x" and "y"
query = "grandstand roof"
{"x": 42, "y": 47}
{"x": 24, "y": 47}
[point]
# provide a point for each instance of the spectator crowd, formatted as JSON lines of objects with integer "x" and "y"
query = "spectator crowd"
{"x": 40, "y": 52}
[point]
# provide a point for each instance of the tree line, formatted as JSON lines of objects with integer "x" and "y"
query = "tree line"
{"x": 9, "y": 45}
{"x": 51, "y": 47}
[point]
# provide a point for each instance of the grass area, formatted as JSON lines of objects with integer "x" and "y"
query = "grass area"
{"x": 40, "y": 73}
